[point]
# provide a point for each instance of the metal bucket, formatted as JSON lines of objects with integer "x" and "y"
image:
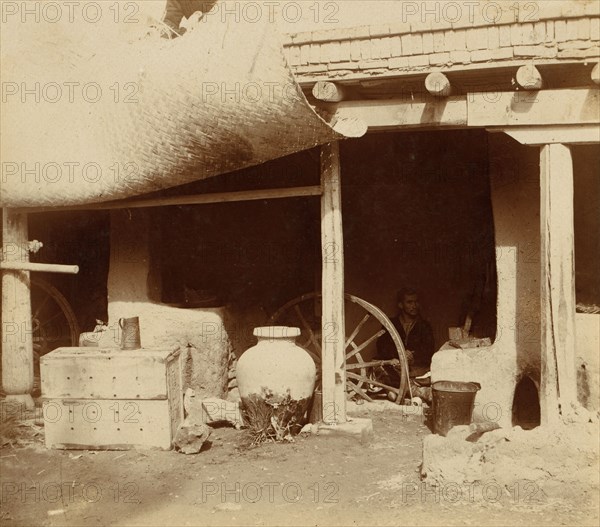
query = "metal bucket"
{"x": 453, "y": 404}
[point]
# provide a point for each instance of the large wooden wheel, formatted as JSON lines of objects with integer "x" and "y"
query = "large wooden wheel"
{"x": 365, "y": 324}
{"x": 54, "y": 323}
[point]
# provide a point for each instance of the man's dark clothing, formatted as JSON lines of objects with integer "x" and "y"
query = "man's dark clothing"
{"x": 419, "y": 340}
{"x": 177, "y": 9}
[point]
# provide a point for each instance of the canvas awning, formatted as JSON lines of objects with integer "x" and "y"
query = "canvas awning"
{"x": 112, "y": 118}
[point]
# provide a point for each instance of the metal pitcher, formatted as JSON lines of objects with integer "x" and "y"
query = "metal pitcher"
{"x": 130, "y": 333}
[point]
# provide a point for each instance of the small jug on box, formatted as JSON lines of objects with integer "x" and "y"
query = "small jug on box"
{"x": 130, "y": 333}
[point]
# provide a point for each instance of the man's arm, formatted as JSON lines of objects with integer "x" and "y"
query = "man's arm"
{"x": 174, "y": 13}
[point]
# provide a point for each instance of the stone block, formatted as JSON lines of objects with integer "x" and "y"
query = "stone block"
{"x": 477, "y": 39}
{"x": 395, "y": 46}
{"x": 504, "y": 35}
{"x": 399, "y": 28}
{"x": 376, "y": 48}
{"x": 365, "y": 50}
{"x": 438, "y": 41}
{"x": 380, "y": 30}
{"x": 595, "y": 29}
{"x": 406, "y": 41}
{"x": 385, "y": 50}
{"x": 294, "y": 55}
{"x": 304, "y": 54}
{"x": 502, "y": 53}
{"x": 549, "y": 31}
{"x": 315, "y": 54}
{"x": 190, "y": 438}
{"x": 516, "y": 34}
{"x": 397, "y": 63}
{"x": 416, "y": 61}
{"x": 560, "y": 30}
{"x": 481, "y": 55}
{"x": 345, "y": 51}
{"x": 357, "y": 428}
{"x": 460, "y": 39}
{"x": 539, "y": 32}
{"x": 355, "y": 50}
{"x": 575, "y": 44}
{"x": 427, "y": 43}
{"x": 463, "y": 57}
{"x": 583, "y": 28}
{"x": 572, "y": 29}
{"x": 535, "y": 51}
{"x": 372, "y": 64}
{"x": 416, "y": 44}
{"x": 336, "y": 66}
{"x": 439, "y": 58}
{"x": 493, "y": 37}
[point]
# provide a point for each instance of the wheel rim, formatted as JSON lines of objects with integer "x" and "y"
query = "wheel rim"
{"x": 54, "y": 323}
{"x": 360, "y": 338}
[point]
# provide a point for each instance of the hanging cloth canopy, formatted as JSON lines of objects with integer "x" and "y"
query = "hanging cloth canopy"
{"x": 96, "y": 115}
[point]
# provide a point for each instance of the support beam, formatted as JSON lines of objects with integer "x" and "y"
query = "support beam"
{"x": 402, "y": 114}
{"x": 438, "y": 84}
{"x": 195, "y": 199}
{"x": 558, "y": 397}
{"x": 546, "y": 107}
{"x": 333, "y": 367}
{"x": 583, "y": 134}
{"x": 529, "y": 78}
{"x": 39, "y": 267}
{"x": 17, "y": 341}
{"x": 596, "y": 74}
{"x": 329, "y": 91}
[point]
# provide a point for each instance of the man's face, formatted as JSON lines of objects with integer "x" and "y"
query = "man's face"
{"x": 410, "y": 305}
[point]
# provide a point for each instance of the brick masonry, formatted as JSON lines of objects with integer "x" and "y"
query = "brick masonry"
{"x": 571, "y": 32}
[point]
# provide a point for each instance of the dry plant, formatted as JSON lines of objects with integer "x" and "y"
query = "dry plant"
{"x": 272, "y": 417}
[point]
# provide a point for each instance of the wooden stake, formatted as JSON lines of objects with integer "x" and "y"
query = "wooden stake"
{"x": 332, "y": 249}
{"x": 596, "y": 74}
{"x": 17, "y": 341}
{"x": 438, "y": 84}
{"x": 558, "y": 377}
{"x": 529, "y": 78}
{"x": 329, "y": 91}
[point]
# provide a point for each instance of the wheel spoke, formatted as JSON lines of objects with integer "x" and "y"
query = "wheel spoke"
{"x": 307, "y": 328}
{"x": 365, "y": 344}
{"x": 372, "y": 364}
{"x": 356, "y": 330}
{"x": 359, "y": 392}
{"x": 371, "y": 381}
{"x": 39, "y": 308}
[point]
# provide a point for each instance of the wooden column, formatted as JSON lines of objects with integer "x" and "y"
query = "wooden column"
{"x": 17, "y": 342}
{"x": 332, "y": 250}
{"x": 558, "y": 379}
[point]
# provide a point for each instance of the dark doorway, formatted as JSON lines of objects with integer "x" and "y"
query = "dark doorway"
{"x": 526, "y": 405}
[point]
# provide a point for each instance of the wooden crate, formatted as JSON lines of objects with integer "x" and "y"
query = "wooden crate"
{"x": 111, "y": 399}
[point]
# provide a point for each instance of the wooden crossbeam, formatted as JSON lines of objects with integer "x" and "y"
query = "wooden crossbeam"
{"x": 195, "y": 199}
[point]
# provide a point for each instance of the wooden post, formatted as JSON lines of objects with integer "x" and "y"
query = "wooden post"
{"x": 529, "y": 78}
{"x": 329, "y": 91}
{"x": 438, "y": 84}
{"x": 332, "y": 249}
{"x": 558, "y": 378}
{"x": 595, "y": 75}
{"x": 17, "y": 341}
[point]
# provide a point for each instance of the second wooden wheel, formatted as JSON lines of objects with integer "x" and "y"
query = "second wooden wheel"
{"x": 365, "y": 324}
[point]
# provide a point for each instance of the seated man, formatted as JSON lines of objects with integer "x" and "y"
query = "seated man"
{"x": 416, "y": 335}
{"x": 176, "y": 10}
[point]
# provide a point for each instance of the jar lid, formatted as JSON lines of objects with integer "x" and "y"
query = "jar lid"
{"x": 275, "y": 332}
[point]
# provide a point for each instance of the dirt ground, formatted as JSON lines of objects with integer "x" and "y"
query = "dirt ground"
{"x": 313, "y": 481}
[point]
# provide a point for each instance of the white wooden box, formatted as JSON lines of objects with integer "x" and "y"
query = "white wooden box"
{"x": 111, "y": 399}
